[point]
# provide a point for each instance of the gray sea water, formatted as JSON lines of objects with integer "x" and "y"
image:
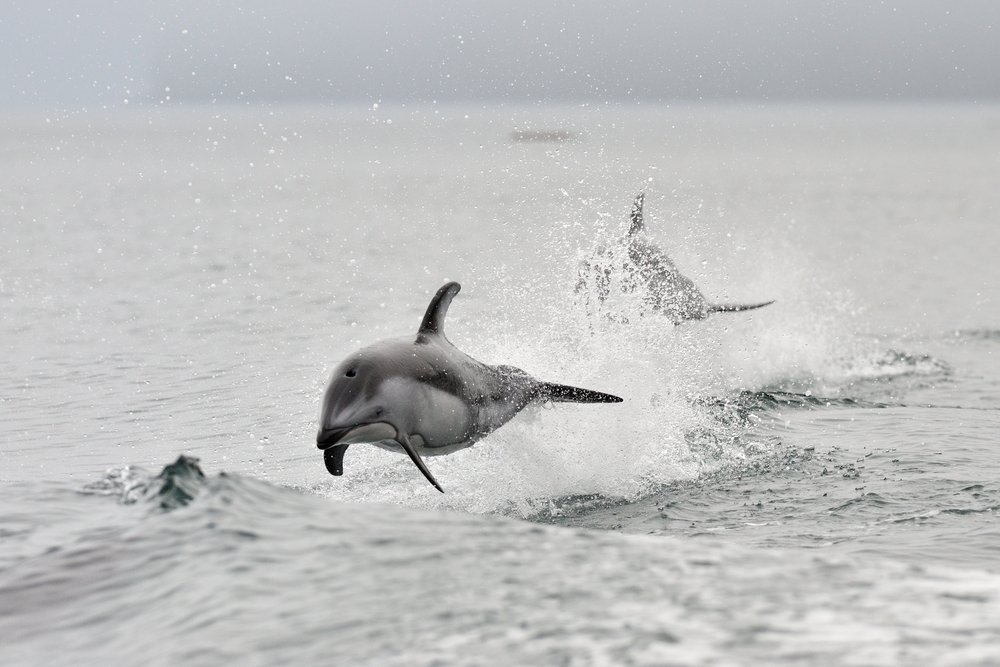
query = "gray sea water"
{"x": 813, "y": 483}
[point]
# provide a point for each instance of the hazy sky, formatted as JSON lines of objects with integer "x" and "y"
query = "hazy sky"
{"x": 101, "y": 52}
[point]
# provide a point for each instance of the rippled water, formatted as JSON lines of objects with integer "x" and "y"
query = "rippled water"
{"x": 811, "y": 483}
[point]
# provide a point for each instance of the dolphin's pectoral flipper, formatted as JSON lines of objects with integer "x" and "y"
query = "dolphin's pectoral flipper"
{"x": 562, "y": 393}
{"x": 635, "y": 217}
{"x": 333, "y": 457}
{"x": 433, "y": 322}
{"x": 404, "y": 442}
{"x": 736, "y": 307}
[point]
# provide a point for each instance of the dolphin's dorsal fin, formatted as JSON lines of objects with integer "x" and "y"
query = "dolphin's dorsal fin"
{"x": 433, "y": 323}
{"x": 635, "y": 217}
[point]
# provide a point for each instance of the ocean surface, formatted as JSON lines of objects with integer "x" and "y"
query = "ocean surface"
{"x": 813, "y": 483}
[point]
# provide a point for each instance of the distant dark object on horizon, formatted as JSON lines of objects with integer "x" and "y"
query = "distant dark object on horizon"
{"x": 544, "y": 135}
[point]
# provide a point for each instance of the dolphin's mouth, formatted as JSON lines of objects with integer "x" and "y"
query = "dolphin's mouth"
{"x": 335, "y": 441}
{"x": 328, "y": 437}
{"x": 349, "y": 435}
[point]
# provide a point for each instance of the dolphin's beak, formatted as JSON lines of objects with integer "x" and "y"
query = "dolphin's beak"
{"x": 328, "y": 437}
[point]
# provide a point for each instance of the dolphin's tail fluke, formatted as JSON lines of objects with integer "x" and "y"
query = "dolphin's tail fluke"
{"x": 562, "y": 393}
{"x": 735, "y": 307}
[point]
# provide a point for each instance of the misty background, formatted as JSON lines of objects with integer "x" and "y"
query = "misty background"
{"x": 104, "y": 54}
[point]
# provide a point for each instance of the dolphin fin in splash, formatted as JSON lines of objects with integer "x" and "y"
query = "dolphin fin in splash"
{"x": 736, "y": 307}
{"x": 635, "y": 217}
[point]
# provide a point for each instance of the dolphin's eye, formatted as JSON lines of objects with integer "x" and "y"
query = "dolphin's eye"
{"x": 351, "y": 373}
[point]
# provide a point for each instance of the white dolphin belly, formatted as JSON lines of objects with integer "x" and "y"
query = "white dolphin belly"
{"x": 422, "y": 448}
{"x": 436, "y": 417}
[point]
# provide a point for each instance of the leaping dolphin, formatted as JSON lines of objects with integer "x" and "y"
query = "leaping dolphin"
{"x": 645, "y": 265}
{"x": 425, "y": 397}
